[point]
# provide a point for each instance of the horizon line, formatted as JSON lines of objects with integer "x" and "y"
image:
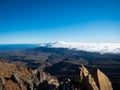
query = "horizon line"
{"x": 54, "y": 42}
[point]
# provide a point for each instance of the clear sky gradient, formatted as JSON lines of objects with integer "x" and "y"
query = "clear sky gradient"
{"x": 37, "y": 21}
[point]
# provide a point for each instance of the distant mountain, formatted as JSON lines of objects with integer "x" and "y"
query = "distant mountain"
{"x": 89, "y": 47}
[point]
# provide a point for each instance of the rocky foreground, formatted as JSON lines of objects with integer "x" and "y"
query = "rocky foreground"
{"x": 13, "y": 77}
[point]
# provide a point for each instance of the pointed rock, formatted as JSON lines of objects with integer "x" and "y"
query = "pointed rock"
{"x": 83, "y": 72}
{"x": 15, "y": 78}
{"x": 1, "y": 83}
{"x": 101, "y": 80}
{"x": 90, "y": 83}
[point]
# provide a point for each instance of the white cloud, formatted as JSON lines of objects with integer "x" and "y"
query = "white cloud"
{"x": 90, "y": 47}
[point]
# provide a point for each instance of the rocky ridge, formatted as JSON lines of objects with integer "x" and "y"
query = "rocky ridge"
{"x": 93, "y": 80}
{"x": 13, "y": 77}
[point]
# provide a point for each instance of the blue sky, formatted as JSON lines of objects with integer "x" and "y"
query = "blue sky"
{"x": 36, "y": 21}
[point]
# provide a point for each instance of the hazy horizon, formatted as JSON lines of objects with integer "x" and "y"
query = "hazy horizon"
{"x": 39, "y": 43}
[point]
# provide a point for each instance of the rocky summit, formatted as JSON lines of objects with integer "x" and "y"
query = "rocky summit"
{"x": 14, "y": 77}
{"x": 93, "y": 80}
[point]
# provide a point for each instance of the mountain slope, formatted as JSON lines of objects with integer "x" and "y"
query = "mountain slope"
{"x": 14, "y": 77}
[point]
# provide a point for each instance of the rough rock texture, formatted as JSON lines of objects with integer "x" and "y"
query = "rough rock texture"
{"x": 101, "y": 79}
{"x": 95, "y": 80}
{"x": 1, "y": 83}
{"x": 90, "y": 83}
{"x": 14, "y": 77}
{"x": 83, "y": 73}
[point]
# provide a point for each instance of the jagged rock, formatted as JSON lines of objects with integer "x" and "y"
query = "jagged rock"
{"x": 83, "y": 73}
{"x": 95, "y": 80}
{"x": 20, "y": 78}
{"x": 30, "y": 87}
{"x": 30, "y": 83}
{"x": 16, "y": 78}
{"x": 81, "y": 77}
{"x": 1, "y": 83}
{"x": 37, "y": 76}
{"x": 90, "y": 83}
{"x": 101, "y": 80}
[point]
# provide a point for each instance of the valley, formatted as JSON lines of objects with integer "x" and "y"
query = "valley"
{"x": 62, "y": 62}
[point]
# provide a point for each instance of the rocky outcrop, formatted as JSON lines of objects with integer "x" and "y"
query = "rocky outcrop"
{"x": 2, "y": 83}
{"x": 93, "y": 80}
{"x": 101, "y": 79}
{"x": 83, "y": 73}
{"x": 14, "y": 77}
{"x": 90, "y": 83}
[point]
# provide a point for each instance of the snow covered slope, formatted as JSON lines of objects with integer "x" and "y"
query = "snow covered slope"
{"x": 90, "y": 47}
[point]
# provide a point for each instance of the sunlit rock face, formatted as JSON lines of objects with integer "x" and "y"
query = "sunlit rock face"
{"x": 14, "y": 77}
{"x": 93, "y": 80}
{"x": 101, "y": 79}
{"x": 1, "y": 83}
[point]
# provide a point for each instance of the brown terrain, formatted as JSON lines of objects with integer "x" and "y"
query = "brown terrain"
{"x": 62, "y": 63}
{"x": 14, "y": 77}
